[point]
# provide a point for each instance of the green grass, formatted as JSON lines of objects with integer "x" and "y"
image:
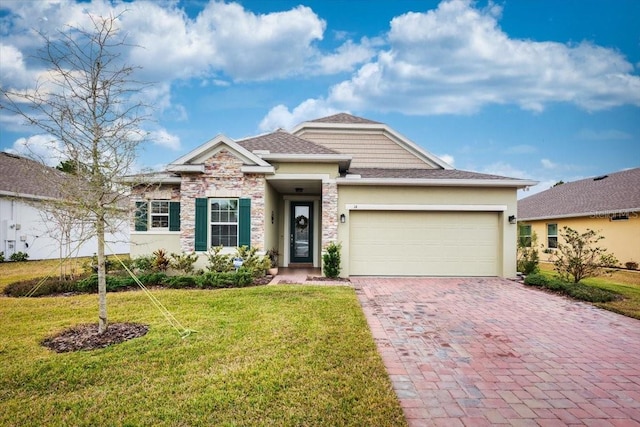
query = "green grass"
{"x": 285, "y": 356}
{"x": 626, "y": 283}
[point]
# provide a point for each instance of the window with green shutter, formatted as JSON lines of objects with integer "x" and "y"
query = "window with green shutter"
{"x": 244, "y": 234}
{"x": 225, "y": 222}
{"x": 201, "y": 225}
{"x": 174, "y": 216}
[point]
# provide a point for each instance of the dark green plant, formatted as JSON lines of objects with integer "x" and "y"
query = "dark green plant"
{"x": 181, "y": 282}
{"x": 19, "y": 256}
{"x": 49, "y": 287}
{"x": 536, "y": 280}
{"x": 228, "y": 279}
{"x": 218, "y": 262}
{"x": 184, "y": 262}
{"x": 273, "y": 255}
{"x": 143, "y": 263}
{"x": 527, "y": 253}
{"x": 579, "y": 257}
{"x": 631, "y": 265}
{"x": 331, "y": 260}
{"x": 1, "y": 256}
{"x": 258, "y": 264}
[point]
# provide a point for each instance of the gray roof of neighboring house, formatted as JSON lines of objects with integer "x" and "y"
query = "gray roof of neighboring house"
{"x": 344, "y": 118}
{"x": 22, "y": 176}
{"x": 422, "y": 174}
{"x": 282, "y": 142}
{"x": 616, "y": 192}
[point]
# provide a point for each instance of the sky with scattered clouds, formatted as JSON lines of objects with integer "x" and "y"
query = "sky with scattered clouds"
{"x": 545, "y": 90}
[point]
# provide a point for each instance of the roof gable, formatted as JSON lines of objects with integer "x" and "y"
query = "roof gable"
{"x": 615, "y": 192}
{"x": 372, "y": 144}
{"x": 197, "y": 156}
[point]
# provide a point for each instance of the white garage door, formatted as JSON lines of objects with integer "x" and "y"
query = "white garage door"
{"x": 392, "y": 243}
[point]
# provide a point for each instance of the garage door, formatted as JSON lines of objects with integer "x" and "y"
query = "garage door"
{"x": 392, "y": 243}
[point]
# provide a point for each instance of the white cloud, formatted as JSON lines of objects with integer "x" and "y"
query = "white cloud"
{"x": 281, "y": 117}
{"x": 456, "y": 59}
{"x": 347, "y": 56}
{"x": 448, "y": 158}
{"x": 43, "y": 148}
{"x": 162, "y": 138}
{"x": 548, "y": 164}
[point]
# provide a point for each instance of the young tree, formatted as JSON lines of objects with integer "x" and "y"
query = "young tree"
{"x": 527, "y": 252}
{"x": 88, "y": 102}
{"x": 579, "y": 257}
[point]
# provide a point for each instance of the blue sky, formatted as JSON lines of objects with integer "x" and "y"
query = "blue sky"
{"x": 538, "y": 89}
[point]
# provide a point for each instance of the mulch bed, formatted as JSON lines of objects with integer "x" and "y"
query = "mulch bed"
{"x": 86, "y": 337}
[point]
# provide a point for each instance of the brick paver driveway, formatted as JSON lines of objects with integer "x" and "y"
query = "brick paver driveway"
{"x": 478, "y": 352}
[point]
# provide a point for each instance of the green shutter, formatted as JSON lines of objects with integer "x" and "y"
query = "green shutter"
{"x": 201, "y": 225}
{"x": 141, "y": 217}
{"x": 174, "y": 216}
{"x": 244, "y": 226}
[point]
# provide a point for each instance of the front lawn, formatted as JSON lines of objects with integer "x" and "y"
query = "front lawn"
{"x": 624, "y": 282}
{"x": 276, "y": 355}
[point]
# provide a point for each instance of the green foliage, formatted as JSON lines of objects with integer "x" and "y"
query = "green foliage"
{"x": 331, "y": 260}
{"x": 273, "y": 255}
{"x": 218, "y": 262}
{"x": 181, "y": 282}
{"x": 160, "y": 261}
{"x": 230, "y": 279}
{"x": 49, "y": 287}
{"x": 536, "y": 279}
{"x": 1, "y": 256}
{"x": 257, "y": 264}
{"x": 143, "y": 263}
{"x": 631, "y": 265}
{"x": 574, "y": 290}
{"x": 19, "y": 256}
{"x": 184, "y": 262}
{"x": 527, "y": 253}
{"x": 579, "y": 257}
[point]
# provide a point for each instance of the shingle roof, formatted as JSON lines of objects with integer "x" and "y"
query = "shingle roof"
{"x": 423, "y": 174}
{"x": 282, "y": 142}
{"x": 19, "y": 175}
{"x": 613, "y": 193}
{"x": 344, "y": 118}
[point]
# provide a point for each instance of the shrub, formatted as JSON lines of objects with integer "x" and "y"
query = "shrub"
{"x": 1, "y": 256}
{"x": 213, "y": 280}
{"x": 184, "y": 262}
{"x": 181, "y": 282}
{"x": 160, "y": 261}
{"x": 218, "y": 262}
{"x": 273, "y": 255}
{"x": 631, "y": 265}
{"x": 49, "y": 287}
{"x": 331, "y": 260}
{"x": 590, "y": 293}
{"x": 143, "y": 263}
{"x": 114, "y": 283}
{"x": 257, "y": 264}
{"x": 557, "y": 286}
{"x": 527, "y": 254}
{"x": 579, "y": 258}
{"x": 19, "y": 256}
{"x": 536, "y": 280}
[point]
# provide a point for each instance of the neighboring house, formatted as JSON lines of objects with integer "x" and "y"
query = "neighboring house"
{"x": 29, "y": 224}
{"x": 609, "y": 204}
{"x": 395, "y": 208}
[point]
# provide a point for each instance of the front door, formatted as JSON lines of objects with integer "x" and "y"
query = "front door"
{"x": 301, "y": 234}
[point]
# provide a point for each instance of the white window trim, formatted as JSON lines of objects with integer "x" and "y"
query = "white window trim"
{"x": 552, "y": 235}
{"x": 211, "y": 223}
{"x": 151, "y": 215}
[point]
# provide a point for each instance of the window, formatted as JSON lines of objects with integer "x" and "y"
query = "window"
{"x": 224, "y": 222}
{"x": 159, "y": 214}
{"x": 524, "y": 236}
{"x": 552, "y": 236}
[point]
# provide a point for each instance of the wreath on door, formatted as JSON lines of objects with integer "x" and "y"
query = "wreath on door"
{"x": 302, "y": 222}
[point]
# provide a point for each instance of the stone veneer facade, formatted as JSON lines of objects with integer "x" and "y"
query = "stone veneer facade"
{"x": 223, "y": 178}
{"x": 329, "y": 223}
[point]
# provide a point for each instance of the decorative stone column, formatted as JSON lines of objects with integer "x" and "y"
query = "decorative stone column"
{"x": 329, "y": 212}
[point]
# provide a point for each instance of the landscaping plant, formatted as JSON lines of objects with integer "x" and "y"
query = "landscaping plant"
{"x": 580, "y": 257}
{"x": 527, "y": 254}
{"x": 331, "y": 260}
{"x": 184, "y": 262}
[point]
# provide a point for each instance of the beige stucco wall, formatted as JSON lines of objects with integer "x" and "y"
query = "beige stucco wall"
{"x": 273, "y": 213}
{"x": 435, "y": 196}
{"x": 143, "y": 243}
{"x": 621, "y": 238}
{"x": 307, "y": 168}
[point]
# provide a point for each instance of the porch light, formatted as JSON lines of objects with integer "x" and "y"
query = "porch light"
{"x": 343, "y": 218}
{"x": 512, "y": 219}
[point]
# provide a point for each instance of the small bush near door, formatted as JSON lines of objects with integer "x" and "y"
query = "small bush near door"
{"x": 331, "y": 260}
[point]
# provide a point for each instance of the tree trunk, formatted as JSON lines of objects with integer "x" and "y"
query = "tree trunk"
{"x": 102, "y": 277}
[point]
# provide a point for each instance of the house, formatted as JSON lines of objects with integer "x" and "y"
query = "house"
{"x": 395, "y": 208}
{"x": 609, "y": 204}
{"x": 29, "y": 223}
